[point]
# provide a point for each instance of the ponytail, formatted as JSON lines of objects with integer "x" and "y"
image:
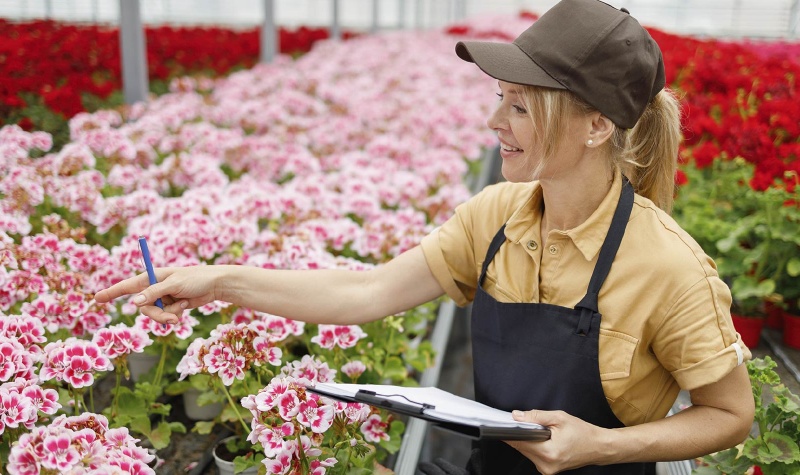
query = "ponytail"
{"x": 648, "y": 153}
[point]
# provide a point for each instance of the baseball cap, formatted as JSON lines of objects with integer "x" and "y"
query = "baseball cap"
{"x": 598, "y": 52}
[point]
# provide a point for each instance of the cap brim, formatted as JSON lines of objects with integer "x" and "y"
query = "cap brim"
{"x": 506, "y": 62}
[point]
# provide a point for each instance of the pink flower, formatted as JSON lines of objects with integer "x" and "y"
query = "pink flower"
{"x": 280, "y": 464}
{"x": 272, "y": 439}
{"x": 374, "y": 429}
{"x": 288, "y": 405}
{"x": 354, "y": 411}
{"x": 344, "y": 336}
{"x": 120, "y": 340}
{"x": 354, "y": 369}
{"x": 60, "y": 453}
{"x": 15, "y": 409}
{"x": 309, "y": 370}
{"x": 44, "y": 400}
{"x": 312, "y": 415}
{"x": 221, "y": 360}
{"x": 74, "y": 361}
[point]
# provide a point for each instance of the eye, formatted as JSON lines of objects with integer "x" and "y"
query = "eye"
{"x": 500, "y": 95}
{"x": 520, "y": 110}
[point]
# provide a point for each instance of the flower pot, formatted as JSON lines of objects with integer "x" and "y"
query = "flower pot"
{"x": 225, "y": 467}
{"x": 141, "y": 363}
{"x": 196, "y": 412}
{"x": 791, "y": 330}
{"x": 749, "y": 328}
{"x": 774, "y": 315}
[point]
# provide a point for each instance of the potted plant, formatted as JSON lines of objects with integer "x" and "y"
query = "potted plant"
{"x": 773, "y": 447}
{"x": 727, "y": 218}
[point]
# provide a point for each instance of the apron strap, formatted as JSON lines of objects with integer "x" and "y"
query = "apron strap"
{"x": 497, "y": 241}
{"x": 608, "y": 252}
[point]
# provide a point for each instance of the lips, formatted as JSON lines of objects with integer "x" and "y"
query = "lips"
{"x": 509, "y": 148}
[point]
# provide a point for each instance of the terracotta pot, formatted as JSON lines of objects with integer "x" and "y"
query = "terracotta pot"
{"x": 791, "y": 330}
{"x": 774, "y": 315}
{"x": 749, "y": 328}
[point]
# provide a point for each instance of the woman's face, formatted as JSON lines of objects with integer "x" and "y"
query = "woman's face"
{"x": 515, "y": 131}
{"x": 519, "y": 148}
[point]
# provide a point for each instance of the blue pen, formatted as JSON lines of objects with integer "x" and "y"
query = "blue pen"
{"x": 148, "y": 265}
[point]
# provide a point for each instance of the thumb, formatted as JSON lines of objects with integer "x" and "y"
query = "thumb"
{"x": 545, "y": 418}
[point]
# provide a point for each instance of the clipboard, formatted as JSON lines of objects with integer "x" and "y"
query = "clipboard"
{"x": 482, "y": 422}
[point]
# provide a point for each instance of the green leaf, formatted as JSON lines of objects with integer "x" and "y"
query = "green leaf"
{"x": 203, "y": 427}
{"x": 395, "y": 437}
{"x": 161, "y": 435}
{"x": 770, "y": 448}
{"x": 130, "y": 405}
{"x": 394, "y": 369}
{"x": 745, "y": 287}
{"x": 209, "y": 397}
{"x": 793, "y": 267}
{"x": 177, "y": 427}
{"x": 243, "y": 462}
{"x": 141, "y": 424}
{"x": 177, "y": 387}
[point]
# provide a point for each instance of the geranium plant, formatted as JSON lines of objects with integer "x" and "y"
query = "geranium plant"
{"x": 773, "y": 448}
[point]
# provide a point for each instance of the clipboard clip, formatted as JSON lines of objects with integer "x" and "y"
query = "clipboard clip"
{"x": 382, "y": 400}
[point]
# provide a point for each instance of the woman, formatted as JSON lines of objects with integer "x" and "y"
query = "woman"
{"x": 596, "y": 352}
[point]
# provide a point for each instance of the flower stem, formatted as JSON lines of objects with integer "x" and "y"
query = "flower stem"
{"x": 160, "y": 370}
{"x": 115, "y": 407}
{"x": 91, "y": 398}
{"x": 233, "y": 406}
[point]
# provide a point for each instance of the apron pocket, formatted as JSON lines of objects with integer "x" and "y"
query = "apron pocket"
{"x": 615, "y": 354}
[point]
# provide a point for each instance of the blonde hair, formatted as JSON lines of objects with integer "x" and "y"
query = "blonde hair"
{"x": 647, "y": 154}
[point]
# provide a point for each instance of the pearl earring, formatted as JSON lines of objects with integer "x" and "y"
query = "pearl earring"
{"x": 589, "y": 142}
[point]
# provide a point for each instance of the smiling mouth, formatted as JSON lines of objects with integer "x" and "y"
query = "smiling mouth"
{"x": 509, "y": 148}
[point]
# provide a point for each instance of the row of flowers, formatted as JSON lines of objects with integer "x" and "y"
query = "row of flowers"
{"x": 327, "y": 161}
{"x": 79, "y": 68}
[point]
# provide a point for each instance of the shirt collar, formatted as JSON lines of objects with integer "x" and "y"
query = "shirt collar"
{"x": 588, "y": 236}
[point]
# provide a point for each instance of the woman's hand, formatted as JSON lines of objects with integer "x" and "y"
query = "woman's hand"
{"x": 573, "y": 442}
{"x": 179, "y": 288}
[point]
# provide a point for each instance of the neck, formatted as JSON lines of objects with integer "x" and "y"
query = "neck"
{"x": 571, "y": 200}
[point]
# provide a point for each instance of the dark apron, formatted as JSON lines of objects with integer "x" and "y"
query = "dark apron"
{"x": 543, "y": 356}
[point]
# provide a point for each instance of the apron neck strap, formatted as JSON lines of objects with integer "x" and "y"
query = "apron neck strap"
{"x": 497, "y": 241}
{"x": 610, "y": 246}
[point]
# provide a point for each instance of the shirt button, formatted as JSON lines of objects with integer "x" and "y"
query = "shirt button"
{"x": 553, "y": 249}
{"x": 533, "y": 245}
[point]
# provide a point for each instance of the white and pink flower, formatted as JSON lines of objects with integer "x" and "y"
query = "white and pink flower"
{"x": 343, "y": 336}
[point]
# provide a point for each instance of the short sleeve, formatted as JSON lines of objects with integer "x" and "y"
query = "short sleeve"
{"x": 450, "y": 254}
{"x": 697, "y": 342}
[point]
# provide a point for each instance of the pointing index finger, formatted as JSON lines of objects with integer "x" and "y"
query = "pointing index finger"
{"x": 125, "y": 287}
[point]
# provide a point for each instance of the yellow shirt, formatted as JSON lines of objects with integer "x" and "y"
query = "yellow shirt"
{"x": 666, "y": 321}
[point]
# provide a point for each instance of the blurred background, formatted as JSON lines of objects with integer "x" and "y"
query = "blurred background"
{"x": 719, "y": 18}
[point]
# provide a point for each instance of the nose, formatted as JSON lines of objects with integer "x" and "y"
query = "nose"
{"x": 497, "y": 120}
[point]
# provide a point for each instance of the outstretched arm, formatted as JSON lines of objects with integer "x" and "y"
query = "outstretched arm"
{"x": 316, "y": 296}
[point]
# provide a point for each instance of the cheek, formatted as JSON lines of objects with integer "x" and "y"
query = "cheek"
{"x": 523, "y": 132}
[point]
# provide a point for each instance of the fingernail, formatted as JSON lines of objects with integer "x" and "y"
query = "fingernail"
{"x": 517, "y": 414}
{"x": 184, "y": 304}
{"x": 139, "y": 299}
{"x": 173, "y": 322}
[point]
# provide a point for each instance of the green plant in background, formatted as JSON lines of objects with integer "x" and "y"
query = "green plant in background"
{"x": 774, "y": 447}
{"x": 753, "y": 236}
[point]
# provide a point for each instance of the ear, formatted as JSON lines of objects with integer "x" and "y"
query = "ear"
{"x": 600, "y": 129}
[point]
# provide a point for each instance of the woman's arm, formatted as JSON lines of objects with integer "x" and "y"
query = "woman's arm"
{"x": 317, "y": 296}
{"x": 721, "y": 416}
